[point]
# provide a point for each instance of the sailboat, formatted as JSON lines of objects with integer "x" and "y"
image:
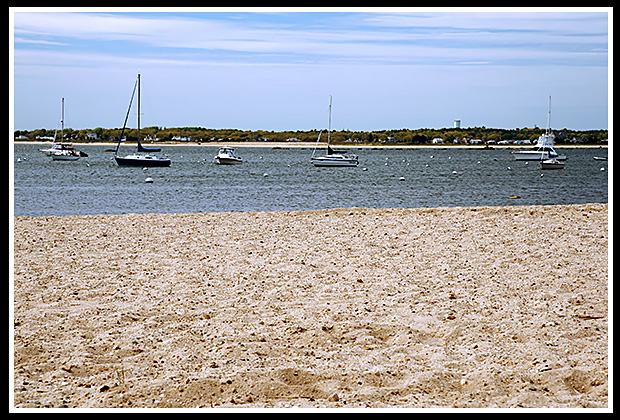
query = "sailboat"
{"x": 552, "y": 162}
{"x": 60, "y": 150}
{"x": 332, "y": 158}
{"x": 142, "y": 157}
{"x": 544, "y": 145}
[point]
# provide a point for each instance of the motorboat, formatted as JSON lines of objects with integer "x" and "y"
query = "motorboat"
{"x": 142, "y": 156}
{"x": 551, "y": 164}
{"x": 332, "y": 158}
{"x": 226, "y": 156}
{"x": 544, "y": 145}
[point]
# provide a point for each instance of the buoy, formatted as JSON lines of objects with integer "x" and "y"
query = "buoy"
{"x": 402, "y": 178}
{"x": 508, "y": 168}
{"x": 541, "y": 175}
{"x": 149, "y": 180}
{"x": 454, "y": 172}
{"x": 265, "y": 175}
{"x": 364, "y": 169}
{"x": 602, "y": 169}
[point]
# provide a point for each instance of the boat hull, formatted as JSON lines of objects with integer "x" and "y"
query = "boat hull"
{"x": 64, "y": 157}
{"x": 334, "y": 161}
{"x": 537, "y": 156}
{"x": 228, "y": 161}
{"x": 551, "y": 164}
{"x": 142, "y": 161}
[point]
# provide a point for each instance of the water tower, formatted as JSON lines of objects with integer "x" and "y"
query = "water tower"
{"x": 457, "y": 123}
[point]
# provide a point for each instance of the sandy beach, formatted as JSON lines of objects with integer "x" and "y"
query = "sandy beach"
{"x": 399, "y": 308}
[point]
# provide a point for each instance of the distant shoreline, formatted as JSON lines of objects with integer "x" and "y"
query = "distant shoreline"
{"x": 306, "y": 145}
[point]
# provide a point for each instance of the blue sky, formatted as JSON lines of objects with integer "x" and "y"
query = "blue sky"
{"x": 274, "y": 69}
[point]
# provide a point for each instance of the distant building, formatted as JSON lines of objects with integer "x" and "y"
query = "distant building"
{"x": 457, "y": 123}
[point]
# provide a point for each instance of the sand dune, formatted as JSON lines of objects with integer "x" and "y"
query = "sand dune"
{"x": 455, "y": 307}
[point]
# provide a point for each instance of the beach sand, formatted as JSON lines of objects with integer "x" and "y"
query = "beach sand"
{"x": 448, "y": 307}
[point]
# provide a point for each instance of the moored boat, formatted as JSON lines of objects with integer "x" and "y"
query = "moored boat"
{"x": 544, "y": 145}
{"x": 332, "y": 158}
{"x": 139, "y": 158}
{"x": 226, "y": 156}
{"x": 551, "y": 164}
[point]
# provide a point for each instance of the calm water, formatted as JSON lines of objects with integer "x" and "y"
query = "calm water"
{"x": 284, "y": 179}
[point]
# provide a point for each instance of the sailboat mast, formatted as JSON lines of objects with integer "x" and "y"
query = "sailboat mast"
{"x": 549, "y": 117}
{"x": 62, "y": 121}
{"x": 138, "y": 108}
{"x": 120, "y": 138}
{"x": 329, "y": 127}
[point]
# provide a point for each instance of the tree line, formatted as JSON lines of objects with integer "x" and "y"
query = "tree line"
{"x": 403, "y": 136}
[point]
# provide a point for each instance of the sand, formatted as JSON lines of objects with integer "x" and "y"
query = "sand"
{"x": 451, "y": 307}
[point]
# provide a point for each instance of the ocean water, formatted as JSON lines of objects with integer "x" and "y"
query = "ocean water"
{"x": 284, "y": 179}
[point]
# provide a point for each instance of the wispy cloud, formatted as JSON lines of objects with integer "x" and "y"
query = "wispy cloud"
{"x": 368, "y": 38}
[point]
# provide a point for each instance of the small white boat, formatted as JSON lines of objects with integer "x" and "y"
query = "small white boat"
{"x": 332, "y": 158}
{"x": 226, "y": 156}
{"x": 67, "y": 154}
{"x": 62, "y": 151}
{"x": 551, "y": 164}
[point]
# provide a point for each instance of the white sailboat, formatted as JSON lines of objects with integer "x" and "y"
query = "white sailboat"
{"x": 142, "y": 157}
{"x": 60, "y": 150}
{"x": 544, "y": 145}
{"x": 332, "y": 158}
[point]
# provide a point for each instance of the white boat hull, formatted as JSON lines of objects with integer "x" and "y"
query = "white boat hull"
{"x": 534, "y": 155}
{"x": 551, "y": 164}
{"x": 66, "y": 155}
{"x": 228, "y": 161}
{"x": 329, "y": 161}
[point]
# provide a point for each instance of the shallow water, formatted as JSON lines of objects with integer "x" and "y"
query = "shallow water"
{"x": 284, "y": 179}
